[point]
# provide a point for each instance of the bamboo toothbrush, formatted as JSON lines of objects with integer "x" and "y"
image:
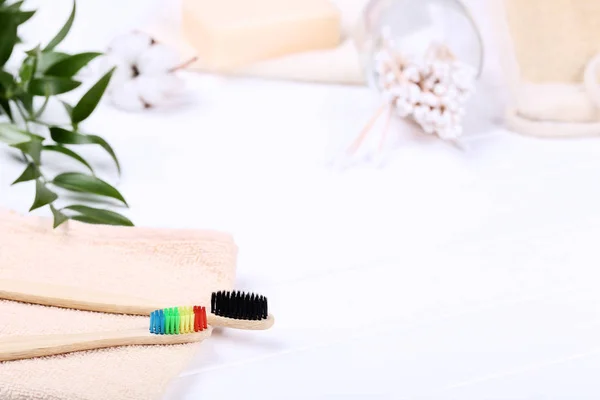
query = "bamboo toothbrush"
{"x": 228, "y": 309}
{"x": 167, "y": 326}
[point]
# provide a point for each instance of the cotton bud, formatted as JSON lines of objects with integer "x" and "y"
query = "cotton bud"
{"x": 411, "y": 72}
{"x": 445, "y": 119}
{"x": 403, "y": 107}
{"x": 430, "y": 99}
{"x": 440, "y": 89}
{"x": 419, "y": 113}
{"x": 428, "y": 127}
{"x": 128, "y": 47}
{"x": 414, "y": 93}
{"x": 433, "y": 116}
{"x": 401, "y": 91}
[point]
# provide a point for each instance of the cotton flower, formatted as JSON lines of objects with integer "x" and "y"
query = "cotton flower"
{"x": 145, "y": 72}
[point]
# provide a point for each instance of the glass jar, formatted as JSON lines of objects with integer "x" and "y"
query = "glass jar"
{"x": 411, "y": 27}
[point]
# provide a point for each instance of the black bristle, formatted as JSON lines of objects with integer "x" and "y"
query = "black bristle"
{"x": 220, "y": 303}
{"x": 213, "y": 300}
{"x": 239, "y": 305}
{"x": 265, "y": 309}
{"x": 252, "y": 307}
{"x": 235, "y": 305}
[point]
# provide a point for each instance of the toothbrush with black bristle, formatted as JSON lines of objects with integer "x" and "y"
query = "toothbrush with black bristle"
{"x": 230, "y": 309}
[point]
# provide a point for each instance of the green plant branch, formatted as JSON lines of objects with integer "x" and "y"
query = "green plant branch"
{"x": 48, "y": 73}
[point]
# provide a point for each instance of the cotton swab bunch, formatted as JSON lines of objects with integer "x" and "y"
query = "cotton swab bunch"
{"x": 433, "y": 91}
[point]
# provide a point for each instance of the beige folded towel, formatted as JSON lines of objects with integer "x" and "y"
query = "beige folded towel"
{"x": 174, "y": 266}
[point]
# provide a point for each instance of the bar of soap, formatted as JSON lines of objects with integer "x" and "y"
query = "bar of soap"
{"x": 229, "y": 34}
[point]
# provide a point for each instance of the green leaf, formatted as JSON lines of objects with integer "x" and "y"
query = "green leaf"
{"x": 63, "y": 32}
{"x": 83, "y": 183}
{"x": 98, "y": 216}
{"x": 90, "y": 100}
{"x": 5, "y": 106}
{"x": 16, "y": 5}
{"x": 31, "y": 172}
{"x": 8, "y": 36}
{"x": 68, "y": 152}
{"x": 23, "y": 16}
{"x": 63, "y": 136}
{"x": 6, "y": 80}
{"x": 69, "y": 66}
{"x": 27, "y": 70}
{"x": 43, "y": 195}
{"x": 33, "y": 148}
{"x": 50, "y": 85}
{"x": 59, "y": 217}
{"x": 46, "y": 59}
{"x": 12, "y": 135}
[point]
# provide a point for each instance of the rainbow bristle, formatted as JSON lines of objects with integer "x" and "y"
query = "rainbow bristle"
{"x": 178, "y": 320}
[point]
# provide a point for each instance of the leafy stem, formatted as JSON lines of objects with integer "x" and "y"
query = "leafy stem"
{"x": 45, "y": 74}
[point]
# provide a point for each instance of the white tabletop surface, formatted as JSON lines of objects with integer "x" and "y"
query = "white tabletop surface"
{"x": 444, "y": 274}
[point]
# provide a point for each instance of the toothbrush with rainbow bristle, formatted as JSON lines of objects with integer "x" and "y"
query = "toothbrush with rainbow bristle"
{"x": 175, "y": 325}
{"x": 230, "y": 309}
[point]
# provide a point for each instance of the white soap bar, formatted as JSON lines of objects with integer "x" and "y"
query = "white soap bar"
{"x": 229, "y": 34}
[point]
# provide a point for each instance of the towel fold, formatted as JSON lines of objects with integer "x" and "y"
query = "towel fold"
{"x": 174, "y": 266}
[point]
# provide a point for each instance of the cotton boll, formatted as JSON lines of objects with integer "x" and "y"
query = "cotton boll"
{"x": 156, "y": 90}
{"x": 123, "y": 72}
{"x": 157, "y": 59}
{"x": 127, "y": 97}
{"x": 128, "y": 47}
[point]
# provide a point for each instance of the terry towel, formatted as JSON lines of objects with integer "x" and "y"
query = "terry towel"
{"x": 175, "y": 266}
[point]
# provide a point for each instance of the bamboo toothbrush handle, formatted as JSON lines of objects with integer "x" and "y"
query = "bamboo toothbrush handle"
{"x": 86, "y": 300}
{"x": 70, "y": 297}
{"x": 22, "y": 347}
{"x": 245, "y": 324}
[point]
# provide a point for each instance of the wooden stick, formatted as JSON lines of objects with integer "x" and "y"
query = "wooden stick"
{"x": 86, "y": 300}
{"x": 367, "y": 128}
{"x": 22, "y": 347}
